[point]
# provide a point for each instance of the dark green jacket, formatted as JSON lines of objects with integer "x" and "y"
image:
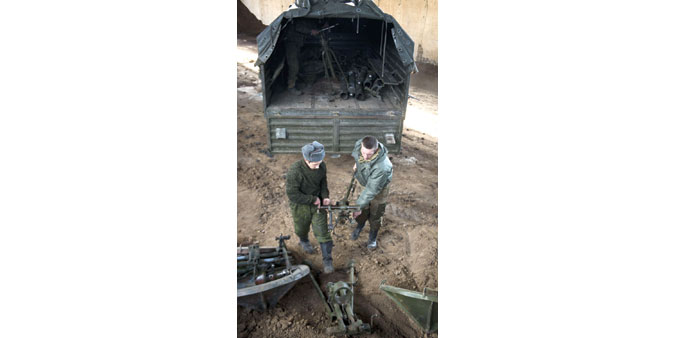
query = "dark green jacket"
{"x": 297, "y": 30}
{"x": 303, "y": 184}
{"x": 374, "y": 175}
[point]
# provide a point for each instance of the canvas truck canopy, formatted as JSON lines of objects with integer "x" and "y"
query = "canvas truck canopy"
{"x": 353, "y": 64}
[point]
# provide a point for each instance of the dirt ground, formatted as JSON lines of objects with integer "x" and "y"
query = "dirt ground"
{"x": 406, "y": 256}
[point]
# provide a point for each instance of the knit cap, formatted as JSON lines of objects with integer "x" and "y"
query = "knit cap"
{"x": 313, "y": 152}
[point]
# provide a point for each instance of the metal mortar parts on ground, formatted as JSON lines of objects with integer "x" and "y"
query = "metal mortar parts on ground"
{"x": 265, "y": 274}
{"x": 340, "y": 308}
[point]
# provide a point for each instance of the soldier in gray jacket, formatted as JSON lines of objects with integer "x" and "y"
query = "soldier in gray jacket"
{"x": 373, "y": 172}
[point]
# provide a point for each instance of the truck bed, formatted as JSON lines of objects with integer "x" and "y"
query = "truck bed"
{"x": 316, "y": 98}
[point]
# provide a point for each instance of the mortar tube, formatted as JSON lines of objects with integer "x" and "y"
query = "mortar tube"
{"x": 265, "y": 255}
{"x": 344, "y": 87}
{"x": 324, "y": 300}
{"x": 367, "y": 83}
{"x": 263, "y": 260}
{"x": 351, "y": 84}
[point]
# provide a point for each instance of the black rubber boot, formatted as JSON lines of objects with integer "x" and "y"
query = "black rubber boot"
{"x": 327, "y": 256}
{"x": 307, "y": 247}
{"x": 372, "y": 240}
{"x": 357, "y": 230}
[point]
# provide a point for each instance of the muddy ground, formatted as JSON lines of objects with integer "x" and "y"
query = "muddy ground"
{"x": 406, "y": 256}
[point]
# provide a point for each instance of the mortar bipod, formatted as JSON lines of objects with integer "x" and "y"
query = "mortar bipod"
{"x": 339, "y": 306}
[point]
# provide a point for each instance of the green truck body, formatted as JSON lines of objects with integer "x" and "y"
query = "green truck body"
{"x": 362, "y": 43}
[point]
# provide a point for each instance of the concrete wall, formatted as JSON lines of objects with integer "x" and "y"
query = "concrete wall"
{"x": 417, "y": 17}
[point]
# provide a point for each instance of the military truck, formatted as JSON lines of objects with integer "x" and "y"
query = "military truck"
{"x": 354, "y": 70}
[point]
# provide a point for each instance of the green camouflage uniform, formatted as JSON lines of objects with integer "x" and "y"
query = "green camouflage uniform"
{"x": 295, "y": 35}
{"x": 303, "y": 186}
{"x": 374, "y": 176}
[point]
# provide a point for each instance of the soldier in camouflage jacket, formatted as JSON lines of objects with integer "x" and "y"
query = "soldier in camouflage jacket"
{"x": 373, "y": 171}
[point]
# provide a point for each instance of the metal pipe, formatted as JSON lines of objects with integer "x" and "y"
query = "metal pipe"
{"x": 352, "y": 266}
{"x": 263, "y": 260}
{"x": 324, "y": 300}
{"x": 357, "y": 23}
{"x": 351, "y": 188}
{"x": 338, "y": 207}
{"x": 384, "y": 49}
{"x": 266, "y": 255}
{"x": 381, "y": 37}
{"x": 246, "y": 250}
{"x": 288, "y": 260}
{"x": 349, "y": 313}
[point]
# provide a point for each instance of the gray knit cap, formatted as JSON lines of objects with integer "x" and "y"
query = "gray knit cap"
{"x": 313, "y": 152}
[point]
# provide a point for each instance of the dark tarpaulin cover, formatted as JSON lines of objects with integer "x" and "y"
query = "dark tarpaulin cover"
{"x": 266, "y": 41}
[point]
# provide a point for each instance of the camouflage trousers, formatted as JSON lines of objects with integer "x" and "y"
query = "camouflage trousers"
{"x": 375, "y": 210}
{"x": 292, "y": 62}
{"x": 304, "y": 215}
